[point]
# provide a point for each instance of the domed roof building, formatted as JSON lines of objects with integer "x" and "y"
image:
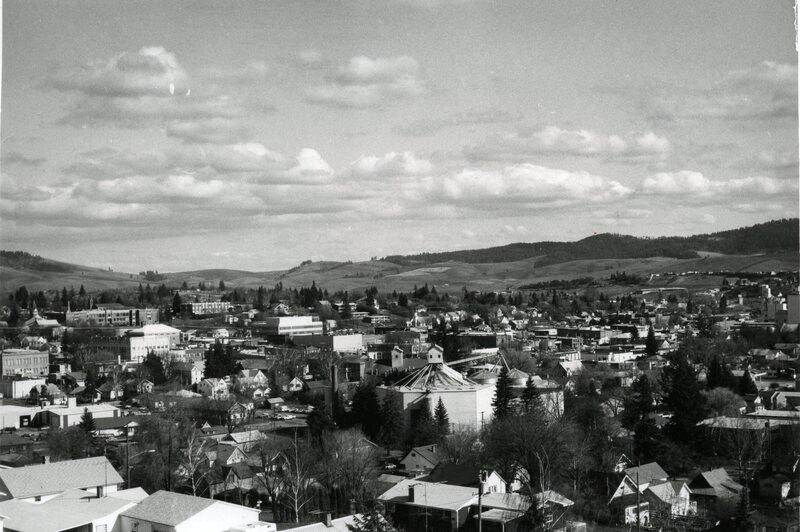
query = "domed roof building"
{"x": 468, "y": 402}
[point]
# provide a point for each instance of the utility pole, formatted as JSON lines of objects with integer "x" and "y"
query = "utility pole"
{"x": 638, "y": 504}
{"x": 481, "y": 480}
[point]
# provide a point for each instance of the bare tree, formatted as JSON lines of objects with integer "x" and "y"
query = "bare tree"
{"x": 297, "y": 479}
{"x": 194, "y": 463}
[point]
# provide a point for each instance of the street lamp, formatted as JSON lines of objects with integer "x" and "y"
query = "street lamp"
{"x": 128, "y": 463}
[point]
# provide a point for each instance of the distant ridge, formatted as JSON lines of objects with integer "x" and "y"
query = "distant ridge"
{"x": 769, "y": 237}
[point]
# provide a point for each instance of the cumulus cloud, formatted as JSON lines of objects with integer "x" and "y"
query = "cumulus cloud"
{"x": 582, "y": 143}
{"x": 150, "y": 88}
{"x": 392, "y": 164}
{"x": 692, "y": 183}
{"x": 366, "y": 82}
{"x": 150, "y": 71}
{"x": 528, "y": 184}
{"x": 429, "y": 126}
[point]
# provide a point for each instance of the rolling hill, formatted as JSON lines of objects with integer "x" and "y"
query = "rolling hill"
{"x": 764, "y": 247}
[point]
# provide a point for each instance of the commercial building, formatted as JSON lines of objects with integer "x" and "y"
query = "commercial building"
{"x": 112, "y": 315}
{"x": 133, "y": 345}
{"x": 205, "y": 308}
{"x": 341, "y": 343}
{"x": 25, "y": 362}
{"x": 290, "y": 326}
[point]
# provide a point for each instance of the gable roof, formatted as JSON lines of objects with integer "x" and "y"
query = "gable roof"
{"x": 427, "y": 452}
{"x": 169, "y": 508}
{"x": 457, "y": 475}
{"x": 714, "y": 483}
{"x": 57, "y": 477}
{"x": 646, "y": 473}
{"x": 70, "y": 510}
{"x": 431, "y": 495}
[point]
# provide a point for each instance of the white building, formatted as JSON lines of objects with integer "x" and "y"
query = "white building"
{"x": 165, "y": 511}
{"x": 292, "y": 325}
{"x": 342, "y": 343}
{"x": 468, "y": 403}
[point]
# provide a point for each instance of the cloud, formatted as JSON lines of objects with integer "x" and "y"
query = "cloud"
{"x": 392, "y": 164}
{"x": 311, "y": 58}
{"x": 365, "y": 82}
{"x": 149, "y": 88}
{"x": 695, "y": 184}
{"x": 15, "y": 157}
{"x": 429, "y": 126}
{"x": 582, "y": 143}
{"x": 709, "y": 218}
{"x": 527, "y": 184}
{"x": 764, "y": 92}
{"x": 150, "y": 71}
{"x": 215, "y": 130}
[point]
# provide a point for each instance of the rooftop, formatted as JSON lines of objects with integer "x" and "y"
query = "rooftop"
{"x": 57, "y": 477}
{"x": 169, "y": 508}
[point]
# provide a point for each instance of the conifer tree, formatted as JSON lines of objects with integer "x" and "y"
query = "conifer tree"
{"x": 502, "y": 395}
{"x": 392, "y": 422}
{"x": 682, "y": 397}
{"x": 366, "y": 411}
{"x": 719, "y": 375}
{"x": 442, "y": 419}
{"x": 87, "y": 421}
{"x": 747, "y": 386}
{"x": 423, "y": 429}
{"x": 531, "y": 398}
{"x": 651, "y": 345}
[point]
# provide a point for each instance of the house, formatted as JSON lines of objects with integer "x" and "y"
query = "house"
{"x": 214, "y": 388}
{"x": 710, "y": 487}
{"x": 326, "y": 524}
{"x": 295, "y": 385}
{"x": 110, "y": 391}
{"x": 165, "y": 511}
{"x": 239, "y": 413}
{"x": 72, "y": 510}
{"x": 40, "y": 483}
{"x": 423, "y": 458}
{"x": 628, "y": 495}
{"x": 237, "y": 477}
{"x": 669, "y": 498}
{"x": 117, "y": 427}
{"x": 245, "y": 440}
{"x": 467, "y": 475}
{"x": 11, "y": 443}
{"x": 251, "y": 378}
{"x": 509, "y": 508}
{"x": 144, "y": 386}
{"x": 415, "y": 504}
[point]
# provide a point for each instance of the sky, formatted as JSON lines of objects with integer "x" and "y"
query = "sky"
{"x": 178, "y": 135}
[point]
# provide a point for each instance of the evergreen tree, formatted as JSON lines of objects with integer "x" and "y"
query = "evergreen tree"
{"x": 184, "y": 286}
{"x": 423, "y": 429}
{"x": 371, "y": 521}
{"x": 638, "y": 402}
{"x": 723, "y": 304}
{"x": 82, "y": 292}
{"x": 392, "y": 422}
{"x": 366, "y": 411}
{"x": 502, "y": 395}
{"x": 747, "y": 385}
{"x": 320, "y": 421}
{"x": 219, "y": 361}
{"x": 441, "y": 419}
{"x": 221, "y": 285}
{"x": 719, "y": 374}
{"x": 531, "y": 398}
{"x": 87, "y": 421}
{"x": 651, "y": 345}
{"x": 647, "y": 441}
{"x": 176, "y": 303}
{"x": 154, "y": 367}
{"x": 682, "y": 397}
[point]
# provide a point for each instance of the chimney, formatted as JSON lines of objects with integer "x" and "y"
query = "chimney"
{"x": 352, "y": 506}
{"x": 72, "y": 402}
{"x": 326, "y": 520}
{"x": 411, "y": 493}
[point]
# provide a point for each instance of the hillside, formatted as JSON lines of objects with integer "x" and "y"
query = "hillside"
{"x": 764, "y": 247}
{"x": 770, "y": 237}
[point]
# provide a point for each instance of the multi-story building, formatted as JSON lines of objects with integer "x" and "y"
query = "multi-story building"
{"x": 25, "y": 362}
{"x": 290, "y": 326}
{"x": 205, "y": 308}
{"x": 112, "y": 315}
{"x": 133, "y": 345}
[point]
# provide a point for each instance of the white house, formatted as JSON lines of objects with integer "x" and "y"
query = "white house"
{"x": 40, "y": 483}
{"x": 165, "y": 511}
{"x": 214, "y": 388}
